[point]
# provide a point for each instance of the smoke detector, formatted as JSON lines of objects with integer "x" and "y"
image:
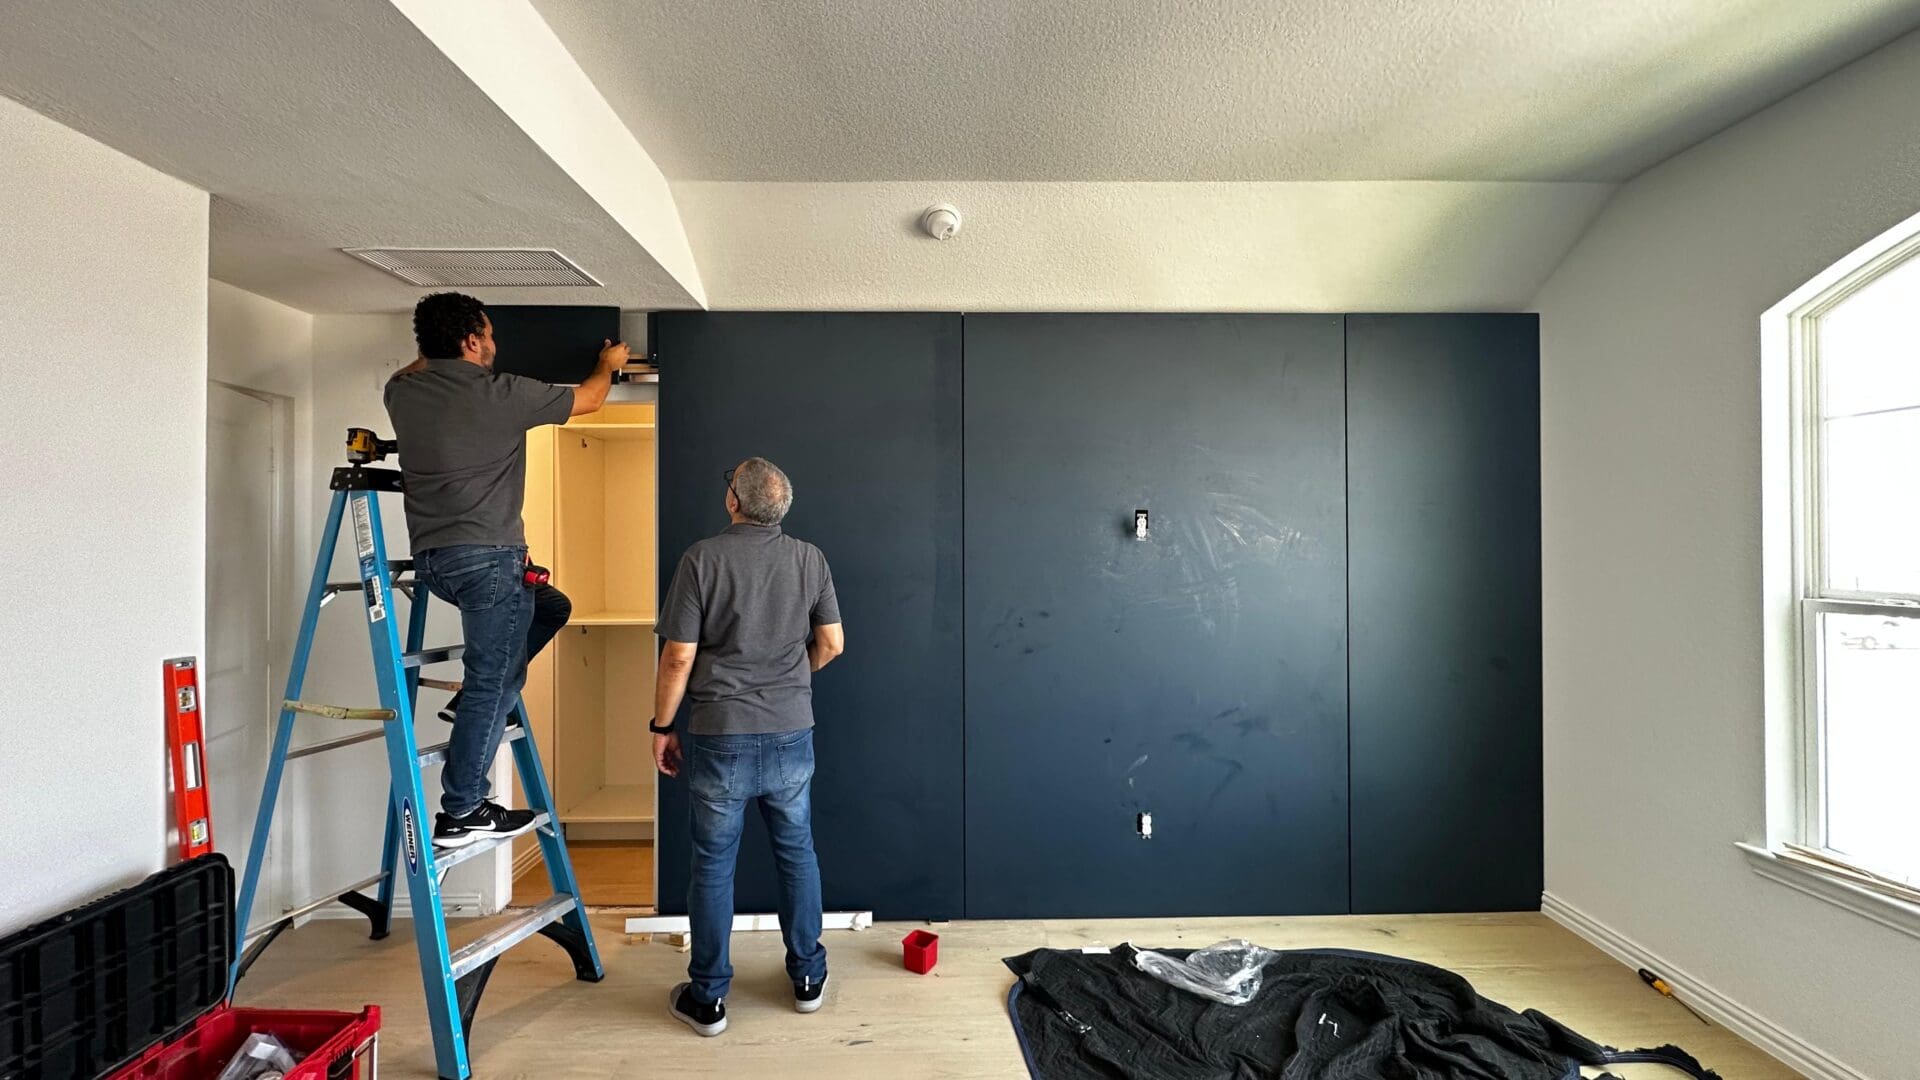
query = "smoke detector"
{"x": 941, "y": 221}
{"x": 477, "y": 267}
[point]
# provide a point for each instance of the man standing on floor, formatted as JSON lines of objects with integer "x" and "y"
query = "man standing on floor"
{"x": 750, "y": 616}
{"x": 462, "y": 430}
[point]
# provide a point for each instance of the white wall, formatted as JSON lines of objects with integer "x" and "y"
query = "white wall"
{"x": 103, "y": 367}
{"x": 265, "y": 346}
{"x": 1651, "y": 459}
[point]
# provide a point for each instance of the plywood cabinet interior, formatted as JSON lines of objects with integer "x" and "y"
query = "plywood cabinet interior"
{"x": 538, "y": 692}
{"x": 591, "y": 518}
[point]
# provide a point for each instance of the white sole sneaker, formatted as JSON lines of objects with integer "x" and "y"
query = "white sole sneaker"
{"x": 703, "y": 1030}
{"x": 814, "y": 1005}
{"x": 474, "y": 836}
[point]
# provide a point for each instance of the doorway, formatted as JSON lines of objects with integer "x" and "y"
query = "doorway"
{"x": 248, "y": 555}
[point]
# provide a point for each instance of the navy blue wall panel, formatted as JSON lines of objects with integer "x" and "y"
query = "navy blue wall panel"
{"x": 1200, "y": 675}
{"x": 550, "y": 342}
{"x": 863, "y": 412}
{"x": 1443, "y": 442}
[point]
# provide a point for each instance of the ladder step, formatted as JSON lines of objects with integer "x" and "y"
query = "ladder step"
{"x": 336, "y": 588}
{"x": 293, "y": 913}
{"x": 433, "y": 656}
{"x": 453, "y": 857}
{"x": 437, "y": 753}
{"x": 336, "y": 712}
{"x": 335, "y": 744}
{"x": 510, "y": 933}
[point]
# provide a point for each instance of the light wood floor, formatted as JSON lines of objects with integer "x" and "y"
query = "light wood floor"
{"x": 881, "y": 1021}
{"x": 612, "y": 873}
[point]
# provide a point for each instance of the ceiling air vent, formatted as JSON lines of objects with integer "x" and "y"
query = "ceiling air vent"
{"x": 476, "y": 267}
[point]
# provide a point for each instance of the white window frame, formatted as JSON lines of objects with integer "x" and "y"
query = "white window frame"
{"x": 1794, "y": 558}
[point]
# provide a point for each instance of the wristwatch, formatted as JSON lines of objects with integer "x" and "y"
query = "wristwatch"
{"x": 658, "y": 729}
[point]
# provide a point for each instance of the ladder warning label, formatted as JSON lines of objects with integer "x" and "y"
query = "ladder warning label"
{"x": 363, "y": 544}
{"x": 362, "y": 529}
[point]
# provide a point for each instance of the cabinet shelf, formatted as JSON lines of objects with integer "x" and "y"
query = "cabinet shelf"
{"x": 615, "y": 803}
{"x": 623, "y": 432}
{"x": 610, "y": 618}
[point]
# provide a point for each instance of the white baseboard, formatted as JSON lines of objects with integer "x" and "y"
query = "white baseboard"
{"x": 526, "y": 860}
{"x": 1811, "y": 1061}
{"x": 669, "y": 924}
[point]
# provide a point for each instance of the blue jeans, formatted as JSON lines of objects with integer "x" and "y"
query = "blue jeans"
{"x": 725, "y": 773}
{"x": 488, "y": 585}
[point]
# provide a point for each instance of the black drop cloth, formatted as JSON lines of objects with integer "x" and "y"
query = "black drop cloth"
{"x": 1320, "y": 1015}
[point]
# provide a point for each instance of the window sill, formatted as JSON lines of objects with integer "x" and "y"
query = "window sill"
{"x": 1885, "y": 910}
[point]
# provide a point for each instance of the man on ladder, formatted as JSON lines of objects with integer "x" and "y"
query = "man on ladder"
{"x": 465, "y": 434}
{"x": 462, "y": 428}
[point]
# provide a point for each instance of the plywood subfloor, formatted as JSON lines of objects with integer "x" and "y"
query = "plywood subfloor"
{"x": 883, "y": 1022}
{"x": 612, "y": 873}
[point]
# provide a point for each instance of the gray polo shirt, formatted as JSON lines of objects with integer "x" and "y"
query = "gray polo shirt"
{"x": 749, "y": 598}
{"x": 462, "y": 431}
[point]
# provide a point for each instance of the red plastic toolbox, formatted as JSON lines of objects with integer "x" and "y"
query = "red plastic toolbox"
{"x": 133, "y": 986}
{"x": 328, "y": 1045}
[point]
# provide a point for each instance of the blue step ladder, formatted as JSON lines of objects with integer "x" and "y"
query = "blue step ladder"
{"x": 455, "y": 978}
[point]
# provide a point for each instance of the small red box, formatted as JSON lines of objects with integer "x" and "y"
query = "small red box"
{"x": 920, "y": 951}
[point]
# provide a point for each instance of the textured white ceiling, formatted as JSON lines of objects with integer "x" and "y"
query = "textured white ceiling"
{"x": 861, "y": 90}
{"x": 803, "y": 136}
{"x": 1329, "y": 246}
{"x": 317, "y": 126}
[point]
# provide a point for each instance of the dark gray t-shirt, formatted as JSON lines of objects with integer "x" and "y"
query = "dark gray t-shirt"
{"x": 462, "y": 431}
{"x": 749, "y": 598}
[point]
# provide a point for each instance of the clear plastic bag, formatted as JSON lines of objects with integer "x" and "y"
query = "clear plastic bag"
{"x": 261, "y": 1057}
{"x": 1228, "y": 972}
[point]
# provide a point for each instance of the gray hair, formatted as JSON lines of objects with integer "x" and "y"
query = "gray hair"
{"x": 764, "y": 492}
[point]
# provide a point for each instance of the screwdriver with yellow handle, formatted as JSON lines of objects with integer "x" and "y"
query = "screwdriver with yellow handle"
{"x": 1660, "y": 984}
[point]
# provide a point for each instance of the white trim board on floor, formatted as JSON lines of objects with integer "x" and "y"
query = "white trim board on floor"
{"x": 1811, "y": 1061}
{"x": 671, "y": 924}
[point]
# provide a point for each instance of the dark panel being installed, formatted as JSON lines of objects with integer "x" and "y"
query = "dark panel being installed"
{"x": 1198, "y": 675}
{"x": 552, "y": 343}
{"x": 1443, "y": 443}
{"x": 863, "y": 412}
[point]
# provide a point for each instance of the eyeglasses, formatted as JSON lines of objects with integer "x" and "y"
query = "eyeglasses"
{"x": 729, "y": 475}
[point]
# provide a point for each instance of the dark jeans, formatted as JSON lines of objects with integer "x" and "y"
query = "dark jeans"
{"x": 551, "y": 610}
{"x": 725, "y": 773}
{"x": 504, "y": 623}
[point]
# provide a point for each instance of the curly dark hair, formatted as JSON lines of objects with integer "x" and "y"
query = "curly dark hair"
{"x": 443, "y": 320}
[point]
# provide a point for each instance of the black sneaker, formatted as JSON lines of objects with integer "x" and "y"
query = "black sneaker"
{"x": 705, "y": 1019}
{"x": 451, "y": 710}
{"x": 809, "y": 994}
{"x": 487, "y": 820}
